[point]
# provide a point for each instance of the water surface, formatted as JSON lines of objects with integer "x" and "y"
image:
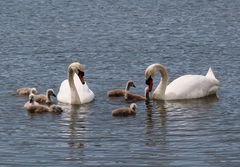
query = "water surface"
{"x": 116, "y": 41}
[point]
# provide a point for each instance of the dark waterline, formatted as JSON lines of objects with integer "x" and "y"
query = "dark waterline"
{"x": 116, "y": 41}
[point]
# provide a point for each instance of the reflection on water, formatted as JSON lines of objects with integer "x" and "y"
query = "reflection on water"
{"x": 204, "y": 102}
{"x": 160, "y": 114}
{"x": 116, "y": 42}
{"x": 75, "y": 116}
{"x": 160, "y": 108}
{"x": 156, "y": 122}
{"x": 76, "y": 120}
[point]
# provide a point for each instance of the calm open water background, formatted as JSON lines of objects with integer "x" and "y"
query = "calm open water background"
{"x": 116, "y": 41}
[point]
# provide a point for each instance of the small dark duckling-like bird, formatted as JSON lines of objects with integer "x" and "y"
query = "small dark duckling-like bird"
{"x": 134, "y": 98}
{"x": 121, "y": 92}
{"x": 45, "y": 99}
{"x": 26, "y": 91}
{"x": 33, "y": 107}
{"x": 125, "y": 111}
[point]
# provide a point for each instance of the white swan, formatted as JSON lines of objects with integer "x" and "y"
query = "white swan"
{"x": 184, "y": 87}
{"x": 74, "y": 90}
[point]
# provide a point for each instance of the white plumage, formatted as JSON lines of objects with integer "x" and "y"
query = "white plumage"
{"x": 72, "y": 91}
{"x": 184, "y": 87}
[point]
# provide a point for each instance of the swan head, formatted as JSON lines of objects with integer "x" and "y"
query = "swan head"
{"x": 149, "y": 73}
{"x": 50, "y": 92}
{"x": 151, "y": 70}
{"x": 78, "y": 68}
{"x": 133, "y": 107}
{"x": 149, "y": 82}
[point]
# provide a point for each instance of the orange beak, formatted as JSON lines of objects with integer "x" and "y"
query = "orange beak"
{"x": 149, "y": 82}
{"x": 82, "y": 79}
{"x": 150, "y": 86}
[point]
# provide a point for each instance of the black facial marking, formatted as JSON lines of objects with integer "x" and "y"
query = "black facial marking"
{"x": 148, "y": 80}
{"x": 80, "y": 73}
{"x": 31, "y": 100}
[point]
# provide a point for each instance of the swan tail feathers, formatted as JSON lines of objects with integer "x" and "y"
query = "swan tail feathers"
{"x": 211, "y": 75}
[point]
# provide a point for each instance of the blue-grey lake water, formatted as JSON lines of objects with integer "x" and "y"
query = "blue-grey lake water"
{"x": 116, "y": 41}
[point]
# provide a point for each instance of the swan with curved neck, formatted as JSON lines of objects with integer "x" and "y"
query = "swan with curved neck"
{"x": 75, "y": 90}
{"x": 184, "y": 87}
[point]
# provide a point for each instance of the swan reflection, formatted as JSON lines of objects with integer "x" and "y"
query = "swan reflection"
{"x": 156, "y": 123}
{"x": 193, "y": 103}
{"x": 75, "y": 117}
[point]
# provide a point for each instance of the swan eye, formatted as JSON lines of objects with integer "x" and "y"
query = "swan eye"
{"x": 148, "y": 80}
{"x": 80, "y": 73}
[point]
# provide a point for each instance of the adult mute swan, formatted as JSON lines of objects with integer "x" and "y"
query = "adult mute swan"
{"x": 184, "y": 87}
{"x": 74, "y": 90}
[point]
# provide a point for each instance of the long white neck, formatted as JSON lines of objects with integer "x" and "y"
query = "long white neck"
{"x": 159, "y": 92}
{"x": 75, "y": 99}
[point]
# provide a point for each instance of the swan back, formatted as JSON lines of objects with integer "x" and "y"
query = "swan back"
{"x": 190, "y": 86}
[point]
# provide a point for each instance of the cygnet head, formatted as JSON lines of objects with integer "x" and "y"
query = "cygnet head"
{"x": 77, "y": 68}
{"x": 130, "y": 83}
{"x": 33, "y": 91}
{"x": 133, "y": 107}
{"x": 50, "y": 92}
{"x": 56, "y": 109}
